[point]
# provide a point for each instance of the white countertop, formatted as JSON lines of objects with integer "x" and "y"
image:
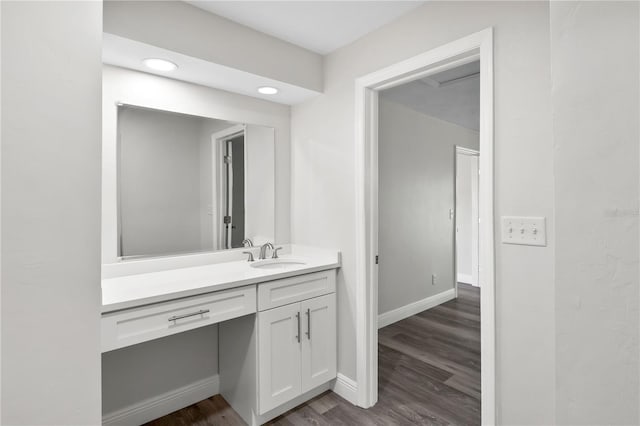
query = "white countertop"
{"x": 130, "y": 291}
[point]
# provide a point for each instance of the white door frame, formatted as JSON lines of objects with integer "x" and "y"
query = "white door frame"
{"x": 460, "y": 150}
{"x": 473, "y": 47}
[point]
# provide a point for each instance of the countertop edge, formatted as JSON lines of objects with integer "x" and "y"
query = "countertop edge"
{"x": 138, "y": 303}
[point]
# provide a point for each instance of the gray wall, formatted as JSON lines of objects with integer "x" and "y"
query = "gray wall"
{"x": 166, "y": 181}
{"x": 160, "y": 182}
{"x": 135, "y": 373}
{"x": 594, "y": 52}
{"x": 323, "y": 180}
{"x": 417, "y": 179}
{"x": 51, "y": 61}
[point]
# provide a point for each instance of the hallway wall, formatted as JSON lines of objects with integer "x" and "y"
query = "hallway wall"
{"x": 417, "y": 179}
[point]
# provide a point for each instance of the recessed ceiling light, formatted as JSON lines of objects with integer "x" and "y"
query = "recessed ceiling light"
{"x": 160, "y": 64}
{"x": 267, "y": 90}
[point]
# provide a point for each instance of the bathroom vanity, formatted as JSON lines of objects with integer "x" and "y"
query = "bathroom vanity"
{"x": 276, "y": 317}
{"x": 190, "y": 183}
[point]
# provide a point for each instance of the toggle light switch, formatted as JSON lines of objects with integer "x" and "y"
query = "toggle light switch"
{"x": 528, "y": 231}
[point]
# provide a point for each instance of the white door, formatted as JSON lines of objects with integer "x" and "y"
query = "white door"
{"x": 467, "y": 214}
{"x": 318, "y": 341}
{"x": 279, "y": 335}
{"x": 475, "y": 220}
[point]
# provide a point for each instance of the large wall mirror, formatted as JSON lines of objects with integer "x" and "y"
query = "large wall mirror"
{"x": 189, "y": 184}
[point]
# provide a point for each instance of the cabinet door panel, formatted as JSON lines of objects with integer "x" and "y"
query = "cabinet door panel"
{"x": 319, "y": 354}
{"x": 279, "y": 355}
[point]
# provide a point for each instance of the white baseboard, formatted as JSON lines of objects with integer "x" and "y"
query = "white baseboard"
{"x": 163, "y": 404}
{"x": 416, "y": 307}
{"x": 347, "y": 388}
{"x": 464, "y": 278}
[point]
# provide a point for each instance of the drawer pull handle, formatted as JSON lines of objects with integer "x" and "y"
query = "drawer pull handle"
{"x": 298, "y": 335}
{"x": 308, "y": 324}
{"x": 193, "y": 314}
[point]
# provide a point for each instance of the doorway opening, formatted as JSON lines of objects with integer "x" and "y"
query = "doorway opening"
{"x": 233, "y": 195}
{"x": 229, "y": 158}
{"x": 474, "y": 48}
{"x": 467, "y": 216}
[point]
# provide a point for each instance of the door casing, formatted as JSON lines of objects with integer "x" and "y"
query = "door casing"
{"x": 477, "y": 46}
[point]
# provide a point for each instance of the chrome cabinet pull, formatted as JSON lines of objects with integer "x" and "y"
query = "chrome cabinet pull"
{"x": 298, "y": 318}
{"x": 193, "y": 314}
{"x": 308, "y": 324}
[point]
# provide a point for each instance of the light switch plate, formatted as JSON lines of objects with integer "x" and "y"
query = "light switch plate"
{"x": 528, "y": 231}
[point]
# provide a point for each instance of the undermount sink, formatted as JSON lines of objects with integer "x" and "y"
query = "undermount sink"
{"x": 281, "y": 263}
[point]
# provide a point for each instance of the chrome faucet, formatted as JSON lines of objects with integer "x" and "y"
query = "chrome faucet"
{"x": 247, "y": 242}
{"x": 263, "y": 250}
{"x": 250, "y": 259}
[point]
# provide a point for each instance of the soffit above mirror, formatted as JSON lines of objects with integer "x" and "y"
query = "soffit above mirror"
{"x": 209, "y": 50}
{"x": 126, "y": 53}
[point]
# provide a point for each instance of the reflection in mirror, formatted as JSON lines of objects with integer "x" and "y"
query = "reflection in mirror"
{"x": 190, "y": 184}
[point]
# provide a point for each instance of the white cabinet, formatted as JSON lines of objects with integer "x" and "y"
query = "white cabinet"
{"x": 137, "y": 325}
{"x": 287, "y": 353}
{"x": 289, "y": 290}
{"x": 276, "y": 339}
{"x": 297, "y": 349}
{"x": 279, "y": 355}
{"x": 318, "y": 341}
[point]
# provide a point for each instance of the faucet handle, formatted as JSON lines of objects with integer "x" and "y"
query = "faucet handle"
{"x": 250, "y": 259}
{"x": 275, "y": 253}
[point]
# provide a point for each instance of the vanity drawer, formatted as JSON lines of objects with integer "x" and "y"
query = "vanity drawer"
{"x": 131, "y": 326}
{"x": 290, "y": 290}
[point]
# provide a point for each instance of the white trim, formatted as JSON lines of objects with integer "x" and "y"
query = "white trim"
{"x": 346, "y": 388}
{"x": 411, "y": 309}
{"x": 229, "y": 131}
{"x": 161, "y": 405}
{"x": 466, "y": 279}
{"x": 473, "y": 47}
{"x": 466, "y": 151}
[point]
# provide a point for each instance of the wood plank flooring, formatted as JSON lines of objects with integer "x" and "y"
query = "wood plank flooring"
{"x": 429, "y": 374}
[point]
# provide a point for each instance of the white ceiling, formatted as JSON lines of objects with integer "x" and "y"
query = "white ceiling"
{"x": 319, "y": 26}
{"x": 452, "y": 95}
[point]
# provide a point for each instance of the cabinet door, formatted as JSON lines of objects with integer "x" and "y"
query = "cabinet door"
{"x": 319, "y": 355}
{"x": 279, "y": 338}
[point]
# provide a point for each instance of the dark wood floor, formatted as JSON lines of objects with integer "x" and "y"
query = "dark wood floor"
{"x": 429, "y": 374}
